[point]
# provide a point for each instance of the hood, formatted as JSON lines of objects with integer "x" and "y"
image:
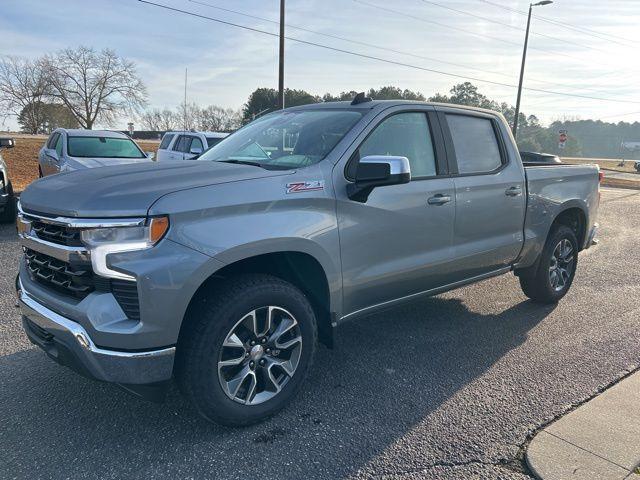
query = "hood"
{"x": 89, "y": 162}
{"x": 127, "y": 190}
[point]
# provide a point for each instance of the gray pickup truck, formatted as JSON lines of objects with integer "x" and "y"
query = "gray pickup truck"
{"x": 225, "y": 272}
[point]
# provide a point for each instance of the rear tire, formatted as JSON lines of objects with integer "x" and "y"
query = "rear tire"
{"x": 233, "y": 363}
{"x": 551, "y": 278}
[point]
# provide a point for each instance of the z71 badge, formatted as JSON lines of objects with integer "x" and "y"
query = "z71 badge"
{"x": 299, "y": 187}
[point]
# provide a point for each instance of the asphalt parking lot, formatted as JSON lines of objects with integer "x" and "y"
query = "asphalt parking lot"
{"x": 450, "y": 387}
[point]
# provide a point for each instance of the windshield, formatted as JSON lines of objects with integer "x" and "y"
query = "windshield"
{"x": 286, "y": 139}
{"x": 103, "y": 147}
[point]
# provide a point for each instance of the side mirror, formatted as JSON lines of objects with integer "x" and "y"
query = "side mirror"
{"x": 195, "y": 151}
{"x": 150, "y": 155}
{"x": 7, "y": 142}
{"x": 378, "y": 171}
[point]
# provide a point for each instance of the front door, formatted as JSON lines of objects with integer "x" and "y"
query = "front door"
{"x": 399, "y": 242}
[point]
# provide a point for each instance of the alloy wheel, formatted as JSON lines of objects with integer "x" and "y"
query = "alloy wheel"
{"x": 562, "y": 265}
{"x": 259, "y": 355}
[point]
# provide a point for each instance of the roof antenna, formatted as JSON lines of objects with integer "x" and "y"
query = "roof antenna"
{"x": 360, "y": 98}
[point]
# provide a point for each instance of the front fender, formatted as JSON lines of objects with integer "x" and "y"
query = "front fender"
{"x": 237, "y": 221}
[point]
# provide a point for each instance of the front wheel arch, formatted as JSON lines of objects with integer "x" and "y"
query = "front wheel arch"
{"x": 298, "y": 268}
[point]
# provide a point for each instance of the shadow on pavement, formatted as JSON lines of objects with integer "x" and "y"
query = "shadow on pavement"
{"x": 388, "y": 372}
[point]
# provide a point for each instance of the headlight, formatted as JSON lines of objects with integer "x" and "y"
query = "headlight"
{"x": 104, "y": 241}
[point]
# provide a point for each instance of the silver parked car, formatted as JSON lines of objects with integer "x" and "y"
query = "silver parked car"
{"x": 68, "y": 149}
{"x": 7, "y": 198}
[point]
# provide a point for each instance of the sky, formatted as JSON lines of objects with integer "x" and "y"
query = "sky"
{"x": 585, "y": 48}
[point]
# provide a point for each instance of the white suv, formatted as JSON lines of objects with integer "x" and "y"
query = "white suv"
{"x": 186, "y": 145}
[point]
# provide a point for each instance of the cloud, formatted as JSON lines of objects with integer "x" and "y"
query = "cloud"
{"x": 225, "y": 64}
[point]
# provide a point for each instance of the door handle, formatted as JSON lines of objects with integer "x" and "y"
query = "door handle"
{"x": 513, "y": 191}
{"x": 439, "y": 199}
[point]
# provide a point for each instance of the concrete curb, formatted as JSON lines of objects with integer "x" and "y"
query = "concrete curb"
{"x": 598, "y": 440}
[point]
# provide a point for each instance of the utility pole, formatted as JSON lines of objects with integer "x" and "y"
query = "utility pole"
{"x": 524, "y": 58}
{"x": 281, "y": 59}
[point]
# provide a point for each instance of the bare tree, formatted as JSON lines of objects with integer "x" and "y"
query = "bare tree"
{"x": 189, "y": 116}
{"x": 23, "y": 89}
{"x": 95, "y": 86}
{"x": 218, "y": 119}
{"x": 160, "y": 120}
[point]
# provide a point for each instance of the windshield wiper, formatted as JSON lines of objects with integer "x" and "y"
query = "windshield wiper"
{"x": 242, "y": 162}
{"x": 266, "y": 166}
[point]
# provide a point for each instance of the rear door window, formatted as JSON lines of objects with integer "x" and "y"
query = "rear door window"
{"x": 166, "y": 140}
{"x": 475, "y": 143}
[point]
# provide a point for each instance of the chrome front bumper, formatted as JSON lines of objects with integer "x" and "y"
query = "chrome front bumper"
{"x": 69, "y": 344}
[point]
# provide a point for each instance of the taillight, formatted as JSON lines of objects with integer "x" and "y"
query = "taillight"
{"x": 600, "y": 176}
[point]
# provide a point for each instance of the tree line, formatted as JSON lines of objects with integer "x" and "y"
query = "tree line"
{"x": 81, "y": 87}
{"x": 192, "y": 117}
{"x": 532, "y": 136}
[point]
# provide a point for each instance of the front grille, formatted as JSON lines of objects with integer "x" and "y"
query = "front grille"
{"x": 78, "y": 281}
{"x": 69, "y": 279}
{"x": 126, "y": 293}
{"x": 59, "y": 234}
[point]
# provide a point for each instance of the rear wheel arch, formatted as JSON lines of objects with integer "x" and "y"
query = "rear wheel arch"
{"x": 575, "y": 218}
{"x": 571, "y": 215}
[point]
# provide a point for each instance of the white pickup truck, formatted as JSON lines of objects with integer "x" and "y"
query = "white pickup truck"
{"x": 186, "y": 145}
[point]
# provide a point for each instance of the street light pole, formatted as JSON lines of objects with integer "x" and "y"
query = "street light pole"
{"x": 281, "y": 59}
{"x": 524, "y": 58}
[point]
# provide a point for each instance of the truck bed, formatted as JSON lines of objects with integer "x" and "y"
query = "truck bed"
{"x": 550, "y": 189}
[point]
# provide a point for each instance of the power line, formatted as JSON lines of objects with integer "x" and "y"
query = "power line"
{"x": 569, "y": 26}
{"x": 484, "y": 36}
{"x": 620, "y": 115}
{"x": 372, "y": 57}
{"x": 387, "y": 49}
{"x": 513, "y": 27}
{"x": 350, "y": 40}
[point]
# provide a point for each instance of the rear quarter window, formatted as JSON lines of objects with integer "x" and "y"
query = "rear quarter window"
{"x": 166, "y": 140}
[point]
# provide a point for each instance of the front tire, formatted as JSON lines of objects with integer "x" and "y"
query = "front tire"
{"x": 551, "y": 278}
{"x": 246, "y": 350}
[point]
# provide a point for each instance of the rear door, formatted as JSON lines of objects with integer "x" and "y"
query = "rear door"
{"x": 180, "y": 146}
{"x": 489, "y": 189}
{"x": 398, "y": 242}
